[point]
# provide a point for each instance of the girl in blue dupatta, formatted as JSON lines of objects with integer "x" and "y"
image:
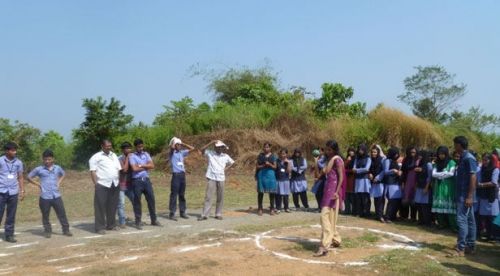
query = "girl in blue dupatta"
{"x": 266, "y": 178}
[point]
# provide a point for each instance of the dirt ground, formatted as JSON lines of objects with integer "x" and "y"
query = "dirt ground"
{"x": 241, "y": 244}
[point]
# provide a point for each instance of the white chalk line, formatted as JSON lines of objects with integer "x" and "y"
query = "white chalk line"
{"x": 136, "y": 232}
{"x": 183, "y": 226}
{"x": 70, "y": 257}
{"x": 72, "y": 269}
{"x": 22, "y": 245}
{"x": 73, "y": 245}
{"x": 7, "y": 269}
{"x": 129, "y": 259}
{"x": 194, "y": 247}
{"x": 6, "y": 254}
{"x": 265, "y": 235}
{"x": 92, "y": 237}
{"x": 6, "y": 272}
{"x": 138, "y": 249}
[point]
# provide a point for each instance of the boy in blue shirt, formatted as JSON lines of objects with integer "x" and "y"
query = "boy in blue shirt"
{"x": 50, "y": 177}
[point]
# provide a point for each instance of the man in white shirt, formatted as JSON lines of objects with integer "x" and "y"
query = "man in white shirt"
{"x": 218, "y": 163}
{"x": 104, "y": 169}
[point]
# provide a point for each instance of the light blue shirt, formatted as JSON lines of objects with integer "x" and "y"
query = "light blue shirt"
{"x": 177, "y": 161}
{"x": 139, "y": 159}
{"x": 466, "y": 167}
{"x": 48, "y": 180}
{"x": 9, "y": 172}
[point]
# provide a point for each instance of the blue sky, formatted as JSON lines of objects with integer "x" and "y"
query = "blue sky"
{"x": 55, "y": 53}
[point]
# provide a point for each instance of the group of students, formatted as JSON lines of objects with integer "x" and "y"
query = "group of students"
{"x": 115, "y": 178}
{"x": 433, "y": 188}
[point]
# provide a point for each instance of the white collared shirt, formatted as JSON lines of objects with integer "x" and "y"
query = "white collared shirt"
{"x": 107, "y": 168}
{"x": 217, "y": 164}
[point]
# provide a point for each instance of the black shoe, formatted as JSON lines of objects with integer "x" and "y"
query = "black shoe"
{"x": 172, "y": 217}
{"x": 138, "y": 225}
{"x": 68, "y": 233}
{"x": 10, "y": 239}
{"x": 47, "y": 234}
{"x": 218, "y": 217}
{"x": 184, "y": 216}
{"x": 156, "y": 223}
{"x": 202, "y": 218}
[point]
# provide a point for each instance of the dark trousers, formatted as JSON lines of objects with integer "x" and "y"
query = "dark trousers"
{"x": 282, "y": 199}
{"x": 486, "y": 223}
{"x": 260, "y": 200}
{"x": 58, "y": 205}
{"x": 408, "y": 210}
{"x": 379, "y": 203}
{"x": 303, "y": 199}
{"x": 8, "y": 203}
{"x": 350, "y": 208}
{"x": 319, "y": 194}
{"x": 424, "y": 212}
{"x": 177, "y": 189}
{"x": 143, "y": 186}
{"x": 363, "y": 204}
{"x": 392, "y": 208}
{"x": 105, "y": 205}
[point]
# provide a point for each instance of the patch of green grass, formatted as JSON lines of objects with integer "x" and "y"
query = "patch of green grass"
{"x": 256, "y": 228}
{"x": 401, "y": 262}
{"x": 303, "y": 246}
{"x": 367, "y": 238}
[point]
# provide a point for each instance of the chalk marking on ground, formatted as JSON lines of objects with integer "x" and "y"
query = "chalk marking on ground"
{"x": 72, "y": 269}
{"x": 183, "y": 226}
{"x": 73, "y": 245}
{"x": 266, "y": 235}
{"x": 5, "y": 254}
{"x": 129, "y": 259}
{"x": 239, "y": 240}
{"x": 7, "y": 269}
{"x": 22, "y": 245}
{"x": 356, "y": 263}
{"x": 92, "y": 237}
{"x": 69, "y": 258}
{"x": 6, "y": 272}
{"x": 194, "y": 247}
{"x": 138, "y": 249}
{"x": 398, "y": 246}
{"x": 136, "y": 232}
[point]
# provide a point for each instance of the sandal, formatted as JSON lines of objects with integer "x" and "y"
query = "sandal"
{"x": 321, "y": 252}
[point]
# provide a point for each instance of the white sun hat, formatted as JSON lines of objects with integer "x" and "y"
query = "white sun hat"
{"x": 219, "y": 143}
{"x": 174, "y": 141}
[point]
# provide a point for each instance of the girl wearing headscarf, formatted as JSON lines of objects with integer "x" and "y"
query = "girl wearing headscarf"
{"x": 350, "y": 207}
{"x": 487, "y": 194}
{"x": 409, "y": 179}
{"x": 443, "y": 187}
{"x": 392, "y": 188}
{"x": 298, "y": 182}
{"x": 266, "y": 178}
{"x": 333, "y": 197}
{"x": 362, "y": 184}
{"x": 284, "y": 167}
{"x": 423, "y": 191}
{"x": 377, "y": 188}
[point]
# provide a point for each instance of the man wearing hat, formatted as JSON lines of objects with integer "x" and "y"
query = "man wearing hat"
{"x": 178, "y": 151}
{"x": 218, "y": 163}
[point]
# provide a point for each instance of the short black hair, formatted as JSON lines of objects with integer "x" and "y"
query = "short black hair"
{"x": 47, "y": 153}
{"x": 462, "y": 141}
{"x": 10, "y": 146}
{"x": 125, "y": 145}
{"x": 105, "y": 141}
{"x": 138, "y": 141}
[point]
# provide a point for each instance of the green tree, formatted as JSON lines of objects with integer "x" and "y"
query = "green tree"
{"x": 25, "y": 136}
{"x": 103, "y": 120}
{"x": 431, "y": 91}
{"x": 63, "y": 151}
{"x": 257, "y": 85}
{"x": 475, "y": 119}
{"x": 334, "y": 102}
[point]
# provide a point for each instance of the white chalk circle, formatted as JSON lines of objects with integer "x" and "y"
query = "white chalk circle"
{"x": 266, "y": 235}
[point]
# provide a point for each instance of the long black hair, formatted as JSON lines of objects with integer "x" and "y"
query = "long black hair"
{"x": 393, "y": 153}
{"x": 363, "y": 148}
{"x": 487, "y": 171}
{"x": 441, "y": 164}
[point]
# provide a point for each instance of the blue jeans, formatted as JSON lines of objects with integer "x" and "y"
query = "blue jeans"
{"x": 8, "y": 202}
{"x": 466, "y": 226}
{"x": 121, "y": 204}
